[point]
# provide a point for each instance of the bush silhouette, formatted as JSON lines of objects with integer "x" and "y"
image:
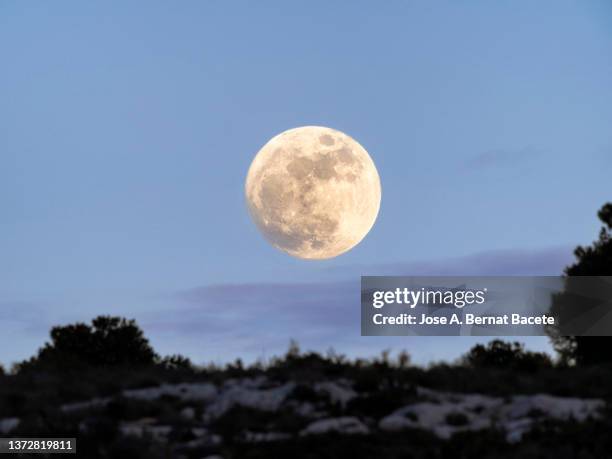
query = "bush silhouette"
{"x": 500, "y": 354}
{"x": 108, "y": 341}
{"x": 594, "y": 260}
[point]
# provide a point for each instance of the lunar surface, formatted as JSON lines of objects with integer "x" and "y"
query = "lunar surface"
{"x": 313, "y": 192}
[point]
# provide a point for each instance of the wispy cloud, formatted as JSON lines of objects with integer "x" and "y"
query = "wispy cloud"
{"x": 252, "y": 320}
{"x": 27, "y": 315}
{"x": 242, "y": 319}
{"x": 501, "y": 158}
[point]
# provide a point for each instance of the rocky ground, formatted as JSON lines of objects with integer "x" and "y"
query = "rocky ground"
{"x": 208, "y": 419}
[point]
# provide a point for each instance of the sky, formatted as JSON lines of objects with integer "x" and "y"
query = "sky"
{"x": 127, "y": 129}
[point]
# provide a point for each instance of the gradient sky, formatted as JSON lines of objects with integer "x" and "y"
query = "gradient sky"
{"x": 127, "y": 128}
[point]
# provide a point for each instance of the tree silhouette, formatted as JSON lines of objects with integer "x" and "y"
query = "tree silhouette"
{"x": 594, "y": 260}
{"x": 108, "y": 341}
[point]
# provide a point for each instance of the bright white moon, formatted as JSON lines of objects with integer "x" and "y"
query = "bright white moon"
{"x": 313, "y": 192}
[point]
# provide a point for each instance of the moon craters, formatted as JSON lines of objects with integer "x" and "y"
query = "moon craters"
{"x": 313, "y": 192}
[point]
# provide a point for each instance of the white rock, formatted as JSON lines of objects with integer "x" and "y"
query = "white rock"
{"x": 346, "y": 425}
{"x": 145, "y": 427}
{"x": 338, "y": 392}
{"x": 516, "y": 415}
{"x": 199, "y": 431}
{"x": 261, "y": 437}
{"x": 260, "y": 399}
{"x": 431, "y": 416}
{"x": 89, "y": 404}
{"x": 517, "y": 428}
{"x": 562, "y": 408}
{"x": 183, "y": 391}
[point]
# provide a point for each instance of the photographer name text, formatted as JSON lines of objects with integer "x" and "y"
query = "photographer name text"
{"x": 456, "y": 319}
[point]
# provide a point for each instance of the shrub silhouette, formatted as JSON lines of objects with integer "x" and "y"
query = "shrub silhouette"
{"x": 108, "y": 341}
{"x": 176, "y": 362}
{"x": 500, "y": 354}
{"x": 594, "y": 260}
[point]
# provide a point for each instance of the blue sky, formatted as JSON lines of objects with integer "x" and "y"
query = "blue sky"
{"x": 126, "y": 131}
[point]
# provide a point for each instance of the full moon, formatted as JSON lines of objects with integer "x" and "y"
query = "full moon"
{"x": 313, "y": 192}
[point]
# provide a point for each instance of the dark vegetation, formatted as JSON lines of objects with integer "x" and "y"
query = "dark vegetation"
{"x": 503, "y": 355}
{"x": 593, "y": 260}
{"x": 567, "y": 441}
{"x": 35, "y": 390}
{"x": 107, "y": 342}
